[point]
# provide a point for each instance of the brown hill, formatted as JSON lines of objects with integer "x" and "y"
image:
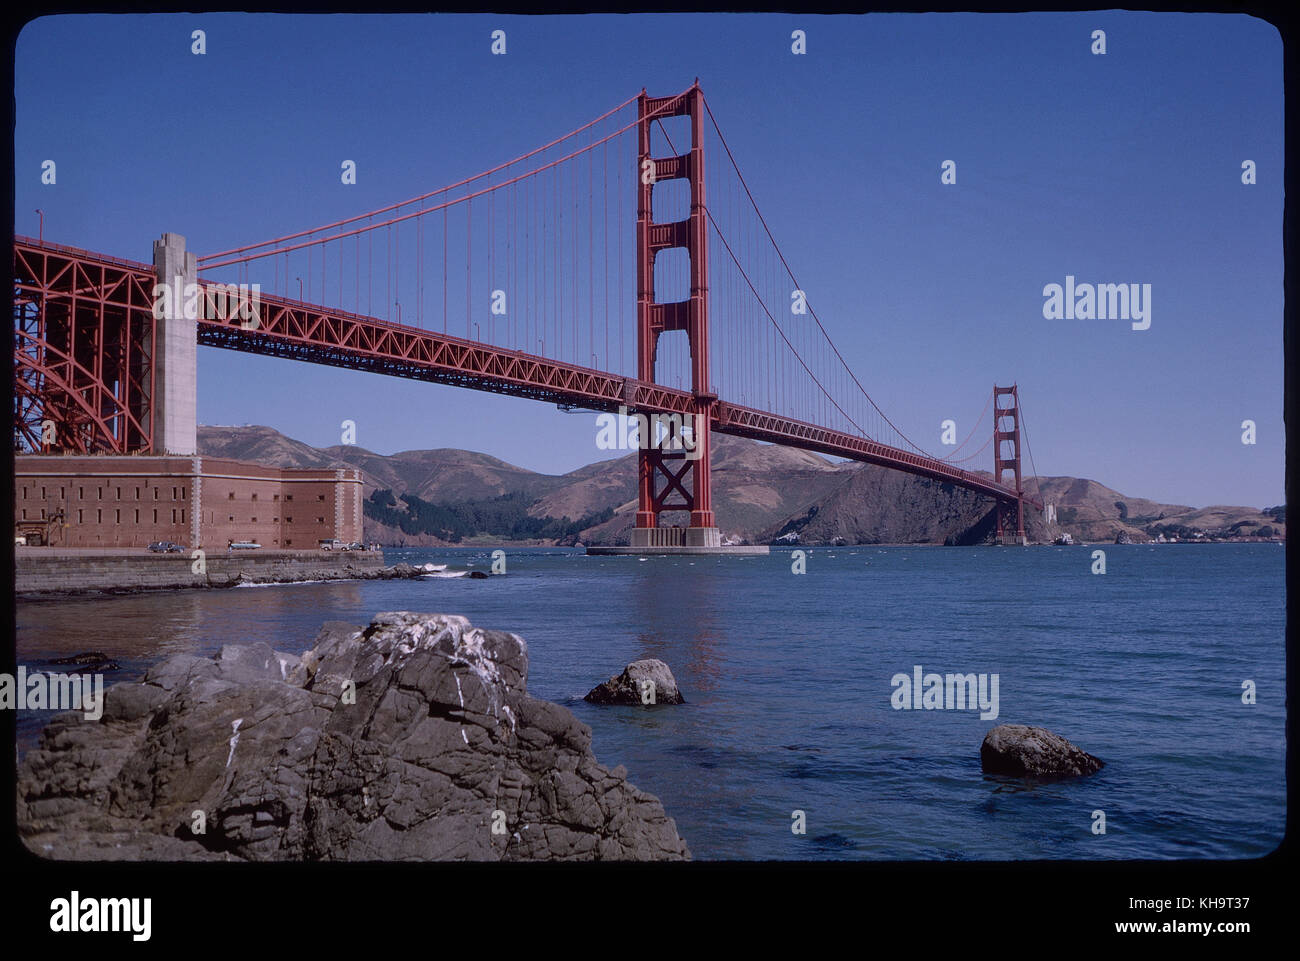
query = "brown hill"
{"x": 761, "y": 492}
{"x": 1093, "y": 512}
{"x": 879, "y": 506}
{"x": 441, "y": 475}
{"x": 260, "y": 445}
{"x": 753, "y": 484}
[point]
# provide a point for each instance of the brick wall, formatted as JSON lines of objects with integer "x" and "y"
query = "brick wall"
{"x": 116, "y": 501}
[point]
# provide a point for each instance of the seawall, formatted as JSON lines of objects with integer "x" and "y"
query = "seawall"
{"x": 52, "y": 570}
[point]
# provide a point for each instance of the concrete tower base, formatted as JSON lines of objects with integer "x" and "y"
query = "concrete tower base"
{"x": 742, "y": 549}
{"x": 678, "y": 540}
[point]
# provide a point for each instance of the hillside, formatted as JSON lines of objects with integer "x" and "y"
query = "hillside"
{"x": 1093, "y": 512}
{"x": 752, "y": 485}
{"x": 445, "y": 474}
{"x": 760, "y": 493}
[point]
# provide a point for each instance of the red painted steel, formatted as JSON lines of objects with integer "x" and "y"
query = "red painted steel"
{"x": 688, "y": 478}
{"x": 1011, "y": 462}
{"x": 83, "y": 340}
{"x": 85, "y": 335}
{"x": 67, "y": 279}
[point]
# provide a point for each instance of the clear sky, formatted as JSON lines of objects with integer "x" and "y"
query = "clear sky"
{"x": 1117, "y": 168}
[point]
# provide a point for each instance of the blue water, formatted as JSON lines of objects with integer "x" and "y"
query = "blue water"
{"x": 788, "y": 681}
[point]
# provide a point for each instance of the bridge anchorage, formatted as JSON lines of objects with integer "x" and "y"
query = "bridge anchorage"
{"x": 102, "y": 366}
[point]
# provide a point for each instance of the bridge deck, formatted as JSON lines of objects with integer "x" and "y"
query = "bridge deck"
{"x": 308, "y": 332}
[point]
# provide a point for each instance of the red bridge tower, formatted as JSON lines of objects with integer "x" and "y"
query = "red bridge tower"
{"x": 1006, "y": 431}
{"x": 673, "y": 476}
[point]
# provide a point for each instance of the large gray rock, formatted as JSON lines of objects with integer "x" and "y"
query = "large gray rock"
{"x": 411, "y": 739}
{"x": 1017, "y": 749}
{"x": 647, "y": 681}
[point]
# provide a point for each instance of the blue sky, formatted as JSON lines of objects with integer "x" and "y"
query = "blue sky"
{"x": 1122, "y": 168}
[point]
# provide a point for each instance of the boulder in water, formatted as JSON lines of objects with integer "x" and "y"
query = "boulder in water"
{"x": 642, "y": 682}
{"x": 1020, "y": 750}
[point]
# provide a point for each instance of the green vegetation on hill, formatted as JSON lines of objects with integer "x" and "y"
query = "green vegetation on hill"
{"x": 505, "y": 516}
{"x": 761, "y": 493}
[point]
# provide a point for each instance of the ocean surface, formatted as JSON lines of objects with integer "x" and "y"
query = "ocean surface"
{"x": 787, "y": 680}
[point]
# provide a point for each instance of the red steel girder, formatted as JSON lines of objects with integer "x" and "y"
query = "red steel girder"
{"x": 83, "y": 341}
{"x": 301, "y": 331}
{"x": 289, "y": 328}
{"x": 760, "y": 425}
{"x": 653, "y": 317}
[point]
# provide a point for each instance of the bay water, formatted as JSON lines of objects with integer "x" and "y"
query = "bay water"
{"x": 788, "y": 681}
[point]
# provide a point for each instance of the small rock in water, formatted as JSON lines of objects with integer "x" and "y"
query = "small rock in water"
{"x": 86, "y": 657}
{"x": 642, "y": 682}
{"x": 1020, "y": 750}
{"x": 89, "y": 662}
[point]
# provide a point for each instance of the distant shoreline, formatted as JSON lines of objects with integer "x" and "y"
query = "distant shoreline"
{"x": 104, "y": 572}
{"x": 53, "y": 573}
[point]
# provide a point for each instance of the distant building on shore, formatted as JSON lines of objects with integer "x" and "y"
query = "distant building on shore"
{"x": 132, "y": 500}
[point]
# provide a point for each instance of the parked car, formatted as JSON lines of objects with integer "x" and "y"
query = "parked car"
{"x": 331, "y": 544}
{"x": 165, "y": 547}
{"x": 245, "y": 546}
{"x": 354, "y": 546}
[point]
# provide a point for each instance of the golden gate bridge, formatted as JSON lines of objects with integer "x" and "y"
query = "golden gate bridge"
{"x": 608, "y": 269}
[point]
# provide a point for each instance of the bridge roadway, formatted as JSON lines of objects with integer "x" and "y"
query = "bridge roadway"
{"x": 307, "y": 332}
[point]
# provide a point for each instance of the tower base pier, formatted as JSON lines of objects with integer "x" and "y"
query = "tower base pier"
{"x": 678, "y": 540}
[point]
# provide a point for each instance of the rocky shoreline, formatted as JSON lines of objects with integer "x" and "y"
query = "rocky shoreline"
{"x": 124, "y": 581}
{"x": 396, "y": 572}
{"x": 412, "y": 738}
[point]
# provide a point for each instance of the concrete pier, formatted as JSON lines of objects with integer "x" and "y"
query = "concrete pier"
{"x": 175, "y": 351}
